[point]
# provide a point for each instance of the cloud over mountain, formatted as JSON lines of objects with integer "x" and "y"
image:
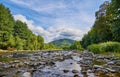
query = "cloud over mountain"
{"x": 55, "y": 19}
{"x": 52, "y": 33}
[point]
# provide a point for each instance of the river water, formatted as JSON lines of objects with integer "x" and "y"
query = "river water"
{"x": 54, "y": 64}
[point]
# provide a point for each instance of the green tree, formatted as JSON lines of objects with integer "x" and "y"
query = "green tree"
{"x": 6, "y": 19}
{"x": 11, "y": 42}
{"x": 76, "y": 46}
{"x": 101, "y": 30}
{"x": 16, "y": 33}
{"x": 6, "y": 26}
{"x": 21, "y": 30}
{"x": 19, "y": 43}
{"x": 113, "y": 12}
{"x": 85, "y": 41}
{"x": 40, "y": 41}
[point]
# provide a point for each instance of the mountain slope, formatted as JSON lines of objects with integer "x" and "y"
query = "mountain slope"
{"x": 62, "y": 42}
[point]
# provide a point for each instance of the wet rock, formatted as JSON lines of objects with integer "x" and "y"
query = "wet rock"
{"x": 116, "y": 68}
{"x": 90, "y": 71}
{"x": 26, "y": 62}
{"x": 71, "y": 63}
{"x": 33, "y": 59}
{"x": 87, "y": 54}
{"x": 76, "y": 75}
{"x": 18, "y": 55}
{"x": 60, "y": 59}
{"x": 20, "y": 71}
{"x": 103, "y": 70}
{"x": 100, "y": 74}
{"x": 97, "y": 66}
{"x": 6, "y": 66}
{"x": 57, "y": 54}
{"x": 27, "y": 74}
{"x": 110, "y": 70}
{"x": 117, "y": 62}
{"x": 87, "y": 58}
{"x": 75, "y": 71}
{"x": 83, "y": 71}
{"x": 76, "y": 58}
{"x": 65, "y": 71}
{"x": 36, "y": 54}
{"x": 2, "y": 75}
{"x": 104, "y": 58}
{"x": 62, "y": 64}
{"x": 110, "y": 63}
{"x": 50, "y": 63}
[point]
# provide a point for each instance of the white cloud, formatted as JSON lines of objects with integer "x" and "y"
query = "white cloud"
{"x": 60, "y": 18}
{"x": 40, "y": 5}
{"x": 52, "y": 33}
{"x": 36, "y": 29}
{"x": 66, "y": 32}
{"x": 77, "y": 13}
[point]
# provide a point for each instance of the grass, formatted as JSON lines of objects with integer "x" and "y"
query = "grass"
{"x": 4, "y": 59}
{"x": 98, "y": 62}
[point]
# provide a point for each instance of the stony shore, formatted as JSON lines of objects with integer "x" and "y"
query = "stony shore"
{"x": 59, "y": 64}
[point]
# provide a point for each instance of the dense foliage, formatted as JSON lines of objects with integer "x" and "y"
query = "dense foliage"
{"x": 15, "y": 34}
{"x": 76, "y": 46}
{"x": 107, "y": 25}
{"x": 6, "y": 27}
{"x": 105, "y": 47}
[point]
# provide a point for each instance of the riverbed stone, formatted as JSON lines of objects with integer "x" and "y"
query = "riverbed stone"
{"x": 65, "y": 71}
{"x": 27, "y": 74}
{"x": 36, "y": 61}
{"x": 75, "y": 71}
{"x": 76, "y": 75}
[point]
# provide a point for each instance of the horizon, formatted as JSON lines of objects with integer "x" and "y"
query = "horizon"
{"x": 53, "y": 19}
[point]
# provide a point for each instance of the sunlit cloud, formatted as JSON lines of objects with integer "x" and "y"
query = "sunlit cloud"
{"x": 55, "y": 19}
{"x": 53, "y": 32}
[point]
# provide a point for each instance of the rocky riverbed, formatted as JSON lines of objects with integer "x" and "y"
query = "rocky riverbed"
{"x": 59, "y": 64}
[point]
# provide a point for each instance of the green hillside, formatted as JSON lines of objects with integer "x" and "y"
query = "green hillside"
{"x": 62, "y": 42}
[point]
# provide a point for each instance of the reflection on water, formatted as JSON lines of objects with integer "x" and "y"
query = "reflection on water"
{"x": 60, "y": 64}
{"x": 68, "y": 65}
{"x": 58, "y": 70}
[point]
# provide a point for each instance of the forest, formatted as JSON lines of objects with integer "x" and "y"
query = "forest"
{"x": 25, "y": 54}
{"x": 15, "y": 35}
{"x": 105, "y": 33}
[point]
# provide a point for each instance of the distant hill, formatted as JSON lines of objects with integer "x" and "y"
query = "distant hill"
{"x": 62, "y": 42}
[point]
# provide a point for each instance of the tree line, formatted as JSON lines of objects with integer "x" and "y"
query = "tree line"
{"x": 16, "y": 35}
{"x": 107, "y": 25}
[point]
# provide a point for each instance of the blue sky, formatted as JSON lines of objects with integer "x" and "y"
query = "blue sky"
{"x": 55, "y": 19}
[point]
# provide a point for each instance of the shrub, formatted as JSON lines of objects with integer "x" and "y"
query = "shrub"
{"x": 110, "y": 47}
{"x": 94, "y": 48}
{"x": 105, "y": 47}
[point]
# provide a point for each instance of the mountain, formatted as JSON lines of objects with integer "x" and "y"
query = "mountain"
{"x": 62, "y": 42}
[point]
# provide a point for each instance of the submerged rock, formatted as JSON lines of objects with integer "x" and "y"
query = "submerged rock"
{"x": 75, "y": 71}
{"x": 61, "y": 64}
{"x": 76, "y": 75}
{"x": 19, "y": 55}
{"x": 27, "y": 74}
{"x": 65, "y": 71}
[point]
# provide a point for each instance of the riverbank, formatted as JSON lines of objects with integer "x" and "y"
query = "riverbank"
{"x": 59, "y": 64}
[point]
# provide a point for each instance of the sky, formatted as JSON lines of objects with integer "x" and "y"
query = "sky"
{"x": 55, "y": 19}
